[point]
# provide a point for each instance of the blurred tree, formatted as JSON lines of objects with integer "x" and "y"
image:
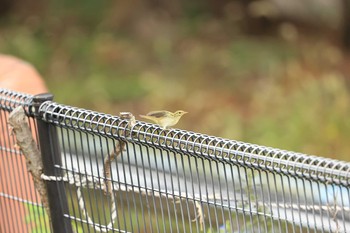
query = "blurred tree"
{"x": 217, "y": 7}
{"x": 346, "y": 24}
{"x": 254, "y": 20}
{"x": 5, "y": 7}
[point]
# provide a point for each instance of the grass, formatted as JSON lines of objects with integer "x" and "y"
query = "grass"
{"x": 37, "y": 219}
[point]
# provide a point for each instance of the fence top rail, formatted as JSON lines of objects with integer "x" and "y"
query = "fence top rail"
{"x": 199, "y": 145}
{"x": 9, "y": 100}
{"x": 181, "y": 141}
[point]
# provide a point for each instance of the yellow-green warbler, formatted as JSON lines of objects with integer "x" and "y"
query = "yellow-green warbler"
{"x": 164, "y": 118}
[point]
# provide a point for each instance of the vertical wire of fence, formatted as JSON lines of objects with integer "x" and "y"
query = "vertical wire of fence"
{"x": 126, "y": 176}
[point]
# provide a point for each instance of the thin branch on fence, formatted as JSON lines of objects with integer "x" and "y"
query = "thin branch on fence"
{"x": 107, "y": 167}
{"x": 24, "y": 139}
{"x": 333, "y": 210}
{"x": 115, "y": 153}
{"x": 200, "y": 214}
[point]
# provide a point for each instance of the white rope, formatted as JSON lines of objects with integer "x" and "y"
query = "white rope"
{"x": 54, "y": 178}
{"x": 85, "y": 183}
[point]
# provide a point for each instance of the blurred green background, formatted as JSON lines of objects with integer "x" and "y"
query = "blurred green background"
{"x": 256, "y": 71}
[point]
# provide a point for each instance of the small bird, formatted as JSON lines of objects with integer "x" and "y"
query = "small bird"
{"x": 164, "y": 118}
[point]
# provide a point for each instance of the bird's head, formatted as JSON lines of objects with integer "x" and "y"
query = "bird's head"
{"x": 179, "y": 113}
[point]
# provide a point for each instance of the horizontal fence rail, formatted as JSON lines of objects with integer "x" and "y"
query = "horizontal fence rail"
{"x": 123, "y": 175}
{"x": 209, "y": 147}
{"x": 9, "y": 100}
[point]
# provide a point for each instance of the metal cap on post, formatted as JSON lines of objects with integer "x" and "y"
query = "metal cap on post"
{"x": 51, "y": 156}
{"x": 43, "y": 97}
{"x": 38, "y": 100}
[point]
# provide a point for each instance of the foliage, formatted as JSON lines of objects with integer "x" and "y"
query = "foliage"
{"x": 37, "y": 218}
{"x": 276, "y": 90}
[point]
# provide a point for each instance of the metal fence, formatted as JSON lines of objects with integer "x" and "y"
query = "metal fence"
{"x": 109, "y": 173}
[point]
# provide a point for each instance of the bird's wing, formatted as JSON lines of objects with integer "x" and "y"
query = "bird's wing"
{"x": 157, "y": 114}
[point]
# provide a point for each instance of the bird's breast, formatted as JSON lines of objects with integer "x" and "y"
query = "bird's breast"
{"x": 168, "y": 121}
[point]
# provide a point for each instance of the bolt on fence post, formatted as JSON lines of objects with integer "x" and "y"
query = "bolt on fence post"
{"x": 51, "y": 155}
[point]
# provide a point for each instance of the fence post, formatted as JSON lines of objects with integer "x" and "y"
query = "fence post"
{"x": 51, "y": 156}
